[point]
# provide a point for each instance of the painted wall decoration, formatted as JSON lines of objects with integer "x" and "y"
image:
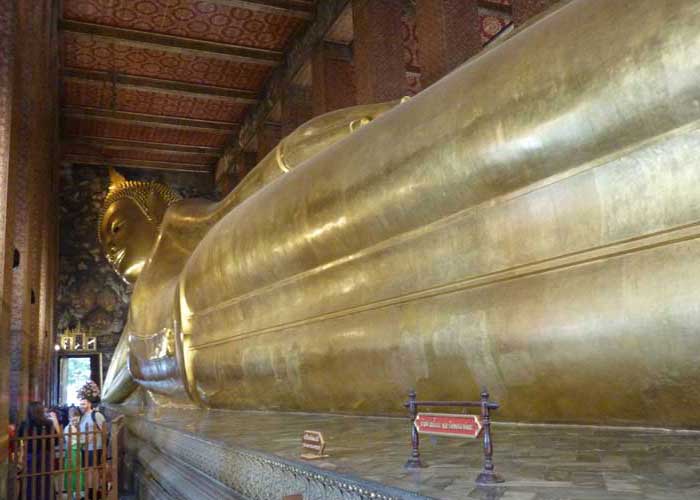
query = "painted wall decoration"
{"x": 88, "y": 290}
{"x": 410, "y": 49}
{"x": 491, "y": 23}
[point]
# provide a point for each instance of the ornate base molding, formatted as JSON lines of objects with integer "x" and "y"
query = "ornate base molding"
{"x": 165, "y": 464}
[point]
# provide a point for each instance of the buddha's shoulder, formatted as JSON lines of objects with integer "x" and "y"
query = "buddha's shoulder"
{"x": 190, "y": 207}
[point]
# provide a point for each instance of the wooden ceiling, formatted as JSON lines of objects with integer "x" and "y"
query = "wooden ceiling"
{"x": 164, "y": 84}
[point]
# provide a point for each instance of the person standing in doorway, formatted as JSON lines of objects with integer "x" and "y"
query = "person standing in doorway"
{"x": 92, "y": 423}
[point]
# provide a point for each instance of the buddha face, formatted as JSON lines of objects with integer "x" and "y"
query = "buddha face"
{"x": 128, "y": 237}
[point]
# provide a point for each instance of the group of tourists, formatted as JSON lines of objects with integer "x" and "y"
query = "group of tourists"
{"x": 40, "y": 437}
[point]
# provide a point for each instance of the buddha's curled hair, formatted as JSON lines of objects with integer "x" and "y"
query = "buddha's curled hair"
{"x": 142, "y": 193}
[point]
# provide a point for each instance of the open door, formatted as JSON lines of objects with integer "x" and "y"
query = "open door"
{"x": 73, "y": 371}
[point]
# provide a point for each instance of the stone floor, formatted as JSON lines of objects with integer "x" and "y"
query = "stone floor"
{"x": 537, "y": 462}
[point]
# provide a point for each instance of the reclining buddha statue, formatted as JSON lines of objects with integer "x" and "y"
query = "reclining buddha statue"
{"x": 529, "y": 223}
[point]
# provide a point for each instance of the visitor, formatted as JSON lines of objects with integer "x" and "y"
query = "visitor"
{"x": 11, "y": 434}
{"x": 35, "y": 454}
{"x": 92, "y": 423}
{"x": 61, "y": 414}
{"x": 73, "y": 480}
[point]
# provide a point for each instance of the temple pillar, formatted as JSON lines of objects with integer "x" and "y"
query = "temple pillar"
{"x": 525, "y": 9}
{"x": 296, "y": 108}
{"x": 22, "y": 155}
{"x": 29, "y": 231}
{"x": 448, "y": 34}
{"x": 269, "y": 135}
{"x": 238, "y": 166}
{"x": 224, "y": 184}
{"x": 7, "y": 16}
{"x": 378, "y": 50}
{"x": 247, "y": 163}
{"x": 333, "y": 85}
{"x": 44, "y": 323}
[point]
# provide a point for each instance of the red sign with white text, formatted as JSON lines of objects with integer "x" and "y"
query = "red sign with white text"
{"x": 451, "y": 425}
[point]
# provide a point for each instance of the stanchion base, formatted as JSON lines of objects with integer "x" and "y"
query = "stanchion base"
{"x": 414, "y": 463}
{"x": 487, "y": 478}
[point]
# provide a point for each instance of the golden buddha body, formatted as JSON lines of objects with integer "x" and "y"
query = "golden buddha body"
{"x": 529, "y": 223}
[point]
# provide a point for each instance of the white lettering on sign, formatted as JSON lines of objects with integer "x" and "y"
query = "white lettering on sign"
{"x": 444, "y": 424}
{"x": 312, "y": 437}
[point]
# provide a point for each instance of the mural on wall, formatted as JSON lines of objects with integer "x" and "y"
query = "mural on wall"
{"x": 492, "y": 22}
{"x": 89, "y": 291}
{"x": 494, "y": 17}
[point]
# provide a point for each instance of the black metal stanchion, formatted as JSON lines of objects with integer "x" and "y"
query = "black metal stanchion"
{"x": 413, "y": 462}
{"x": 487, "y": 476}
{"x": 470, "y": 423}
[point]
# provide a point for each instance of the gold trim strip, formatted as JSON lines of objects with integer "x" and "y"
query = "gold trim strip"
{"x": 662, "y": 238}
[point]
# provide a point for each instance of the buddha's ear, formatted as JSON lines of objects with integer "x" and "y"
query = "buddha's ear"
{"x": 115, "y": 179}
{"x": 156, "y": 205}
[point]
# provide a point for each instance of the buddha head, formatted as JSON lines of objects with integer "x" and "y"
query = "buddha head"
{"x": 129, "y": 222}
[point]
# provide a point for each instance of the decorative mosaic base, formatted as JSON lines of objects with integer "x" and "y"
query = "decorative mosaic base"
{"x": 166, "y": 464}
{"x": 181, "y": 453}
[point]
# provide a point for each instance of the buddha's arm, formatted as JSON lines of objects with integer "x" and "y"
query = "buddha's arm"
{"x": 146, "y": 352}
{"x": 119, "y": 384}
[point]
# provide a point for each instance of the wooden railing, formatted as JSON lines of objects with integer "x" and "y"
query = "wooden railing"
{"x": 70, "y": 466}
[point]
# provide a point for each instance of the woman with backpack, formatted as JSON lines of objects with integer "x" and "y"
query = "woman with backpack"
{"x": 92, "y": 423}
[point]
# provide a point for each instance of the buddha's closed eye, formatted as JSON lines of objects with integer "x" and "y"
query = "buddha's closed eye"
{"x": 117, "y": 226}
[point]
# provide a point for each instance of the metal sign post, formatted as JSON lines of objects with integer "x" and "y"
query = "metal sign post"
{"x": 454, "y": 426}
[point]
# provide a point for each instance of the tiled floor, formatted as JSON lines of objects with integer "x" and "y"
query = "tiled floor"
{"x": 537, "y": 462}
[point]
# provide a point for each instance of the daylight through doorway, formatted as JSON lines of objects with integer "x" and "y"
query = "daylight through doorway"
{"x": 75, "y": 371}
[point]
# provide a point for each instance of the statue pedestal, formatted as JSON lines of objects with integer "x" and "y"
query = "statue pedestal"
{"x": 199, "y": 454}
{"x": 166, "y": 459}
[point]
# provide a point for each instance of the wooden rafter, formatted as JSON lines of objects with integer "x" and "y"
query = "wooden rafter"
{"x": 101, "y": 114}
{"x": 156, "y": 84}
{"x": 124, "y": 144}
{"x": 289, "y": 8}
{"x": 145, "y": 164}
{"x": 507, "y": 9}
{"x": 170, "y": 42}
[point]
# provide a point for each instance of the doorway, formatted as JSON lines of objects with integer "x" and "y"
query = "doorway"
{"x": 73, "y": 371}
